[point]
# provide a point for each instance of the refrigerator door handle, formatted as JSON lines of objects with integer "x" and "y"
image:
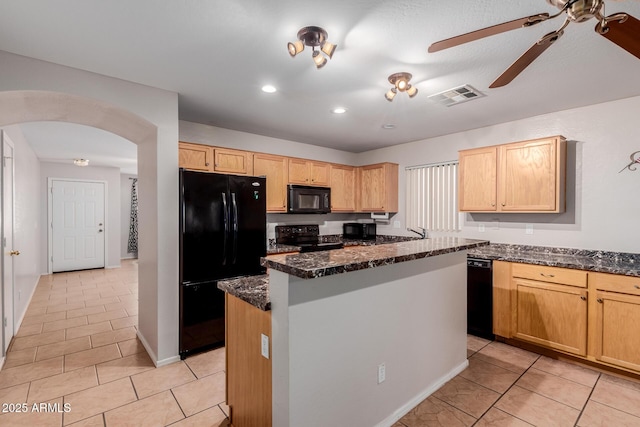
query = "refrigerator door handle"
{"x": 226, "y": 228}
{"x": 235, "y": 227}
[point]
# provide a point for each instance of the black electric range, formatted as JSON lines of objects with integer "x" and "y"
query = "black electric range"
{"x": 307, "y": 237}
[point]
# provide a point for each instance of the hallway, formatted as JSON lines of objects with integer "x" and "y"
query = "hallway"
{"x": 77, "y": 351}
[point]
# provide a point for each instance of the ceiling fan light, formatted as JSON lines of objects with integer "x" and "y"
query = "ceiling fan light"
{"x": 295, "y": 48}
{"x": 328, "y": 49}
{"x": 412, "y": 91}
{"x": 319, "y": 60}
{"x": 402, "y": 85}
{"x": 391, "y": 94}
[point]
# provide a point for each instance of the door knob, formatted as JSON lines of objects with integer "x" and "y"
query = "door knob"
{"x": 14, "y": 253}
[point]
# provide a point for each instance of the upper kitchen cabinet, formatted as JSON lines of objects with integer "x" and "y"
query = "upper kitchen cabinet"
{"x": 378, "y": 185}
{"x": 477, "y": 179}
{"x": 233, "y": 161}
{"x": 308, "y": 172}
{"x": 212, "y": 159}
{"x": 195, "y": 156}
{"x": 526, "y": 176}
{"x": 343, "y": 188}
{"x": 275, "y": 169}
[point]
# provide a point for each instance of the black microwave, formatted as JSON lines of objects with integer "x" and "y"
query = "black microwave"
{"x": 305, "y": 199}
{"x": 359, "y": 230}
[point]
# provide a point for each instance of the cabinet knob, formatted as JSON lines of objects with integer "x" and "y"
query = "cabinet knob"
{"x": 493, "y": 205}
{"x": 583, "y": 298}
{"x": 636, "y": 286}
{"x": 504, "y": 204}
{"x": 206, "y": 164}
{"x": 599, "y": 300}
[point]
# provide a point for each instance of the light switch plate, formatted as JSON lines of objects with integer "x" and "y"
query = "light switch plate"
{"x": 481, "y": 228}
{"x": 265, "y": 346}
{"x": 529, "y": 229}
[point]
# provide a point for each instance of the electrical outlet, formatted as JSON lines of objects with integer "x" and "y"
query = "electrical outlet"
{"x": 528, "y": 229}
{"x": 481, "y": 227}
{"x": 382, "y": 373}
{"x": 396, "y": 224}
{"x": 265, "y": 346}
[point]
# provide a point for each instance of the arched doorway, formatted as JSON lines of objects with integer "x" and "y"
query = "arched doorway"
{"x": 156, "y": 329}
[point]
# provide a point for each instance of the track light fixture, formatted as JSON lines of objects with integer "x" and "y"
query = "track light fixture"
{"x": 400, "y": 82}
{"x": 314, "y": 37}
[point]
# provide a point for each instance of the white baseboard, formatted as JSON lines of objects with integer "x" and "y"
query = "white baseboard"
{"x": 404, "y": 409}
{"x": 152, "y": 354}
{"x": 18, "y": 322}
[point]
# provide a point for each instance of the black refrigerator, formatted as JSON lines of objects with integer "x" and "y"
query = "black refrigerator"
{"x": 223, "y": 221}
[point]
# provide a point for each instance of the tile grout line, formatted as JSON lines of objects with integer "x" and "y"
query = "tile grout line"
{"x": 586, "y": 402}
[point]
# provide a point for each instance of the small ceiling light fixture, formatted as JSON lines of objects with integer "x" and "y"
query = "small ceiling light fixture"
{"x": 314, "y": 37}
{"x": 81, "y": 162}
{"x": 400, "y": 82}
{"x": 269, "y": 89}
{"x": 339, "y": 110}
{"x": 388, "y": 126}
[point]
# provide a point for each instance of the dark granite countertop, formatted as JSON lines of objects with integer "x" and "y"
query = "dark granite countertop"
{"x": 277, "y": 248}
{"x": 627, "y": 264}
{"x": 251, "y": 289}
{"x": 351, "y": 258}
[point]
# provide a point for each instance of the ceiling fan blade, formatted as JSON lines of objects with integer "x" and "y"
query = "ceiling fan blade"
{"x": 526, "y": 59}
{"x": 489, "y": 31}
{"x": 623, "y": 30}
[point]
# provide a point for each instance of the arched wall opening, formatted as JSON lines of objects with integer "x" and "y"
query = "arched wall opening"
{"x": 157, "y": 324}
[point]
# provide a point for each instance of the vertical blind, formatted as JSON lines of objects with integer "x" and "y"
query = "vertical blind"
{"x": 432, "y": 196}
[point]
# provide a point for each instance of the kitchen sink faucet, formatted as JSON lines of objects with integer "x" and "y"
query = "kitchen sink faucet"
{"x": 422, "y": 234}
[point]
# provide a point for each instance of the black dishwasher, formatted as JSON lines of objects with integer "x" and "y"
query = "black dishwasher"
{"x": 480, "y": 298}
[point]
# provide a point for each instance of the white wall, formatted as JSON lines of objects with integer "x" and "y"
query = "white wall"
{"x": 112, "y": 205}
{"x": 125, "y": 214}
{"x": 26, "y": 236}
{"x": 144, "y": 115}
{"x": 602, "y": 207}
{"x": 210, "y": 135}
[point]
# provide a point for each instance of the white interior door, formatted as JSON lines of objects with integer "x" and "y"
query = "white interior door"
{"x": 77, "y": 225}
{"x": 8, "y": 251}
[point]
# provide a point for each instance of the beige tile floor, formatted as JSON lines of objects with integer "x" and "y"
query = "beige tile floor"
{"x": 508, "y": 386}
{"x": 77, "y": 347}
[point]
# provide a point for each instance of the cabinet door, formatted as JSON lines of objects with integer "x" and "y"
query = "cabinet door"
{"x": 372, "y": 183}
{"x": 320, "y": 173}
{"x": 529, "y": 177}
{"x": 551, "y": 315}
{"x": 195, "y": 156}
{"x": 617, "y": 336}
{"x": 343, "y": 188}
{"x": 477, "y": 180}
{"x": 299, "y": 171}
{"x": 233, "y": 162}
{"x": 275, "y": 169}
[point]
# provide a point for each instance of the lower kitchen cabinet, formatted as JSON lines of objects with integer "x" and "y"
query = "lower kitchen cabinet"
{"x": 617, "y": 339}
{"x": 551, "y": 315}
{"x": 248, "y": 372}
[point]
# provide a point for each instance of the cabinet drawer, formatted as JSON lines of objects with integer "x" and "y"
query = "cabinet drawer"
{"x": 543, "y": 273}
{"x": 615, "y": 283}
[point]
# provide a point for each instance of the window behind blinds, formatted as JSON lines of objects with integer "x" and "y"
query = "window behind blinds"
{"x": 432, "y": 196}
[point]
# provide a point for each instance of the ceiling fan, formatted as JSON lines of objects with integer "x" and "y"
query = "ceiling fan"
{"x": 620, "y": 28}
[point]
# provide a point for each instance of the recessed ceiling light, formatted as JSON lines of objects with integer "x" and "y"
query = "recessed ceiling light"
{"x": 81, "y": 162}
{"x": 339, "y": 110}
{"x": 269, "y": 88}
{"x": 388, "y": 126}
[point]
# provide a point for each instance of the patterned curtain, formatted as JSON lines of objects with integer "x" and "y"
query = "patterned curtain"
{"x": 132, "y": 246}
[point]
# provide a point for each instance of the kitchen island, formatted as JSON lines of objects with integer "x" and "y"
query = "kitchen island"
{"x": 361, "y": 335}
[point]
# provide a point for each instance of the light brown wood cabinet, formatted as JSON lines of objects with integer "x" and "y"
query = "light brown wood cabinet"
{"x": 248, "y": 373}
{"x": 616, "y": 338}
{"x": 526, "y": 176}
{"x": 343, "y": 188}
{"x": 378, "y": 188}
{"x": 195, "y": 156}
{"x": 309, "y": 172}
{"x": 593, "y": 316}
{"x": 213, "y": 159}
{"x": 275, "y": 169}
{"x": 232, "y": 161}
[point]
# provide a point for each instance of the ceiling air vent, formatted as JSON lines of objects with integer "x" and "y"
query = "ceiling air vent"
{"x": 457, "y": 95}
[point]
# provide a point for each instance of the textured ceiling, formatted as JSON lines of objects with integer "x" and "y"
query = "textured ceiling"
{"x": 217, "y": 54}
